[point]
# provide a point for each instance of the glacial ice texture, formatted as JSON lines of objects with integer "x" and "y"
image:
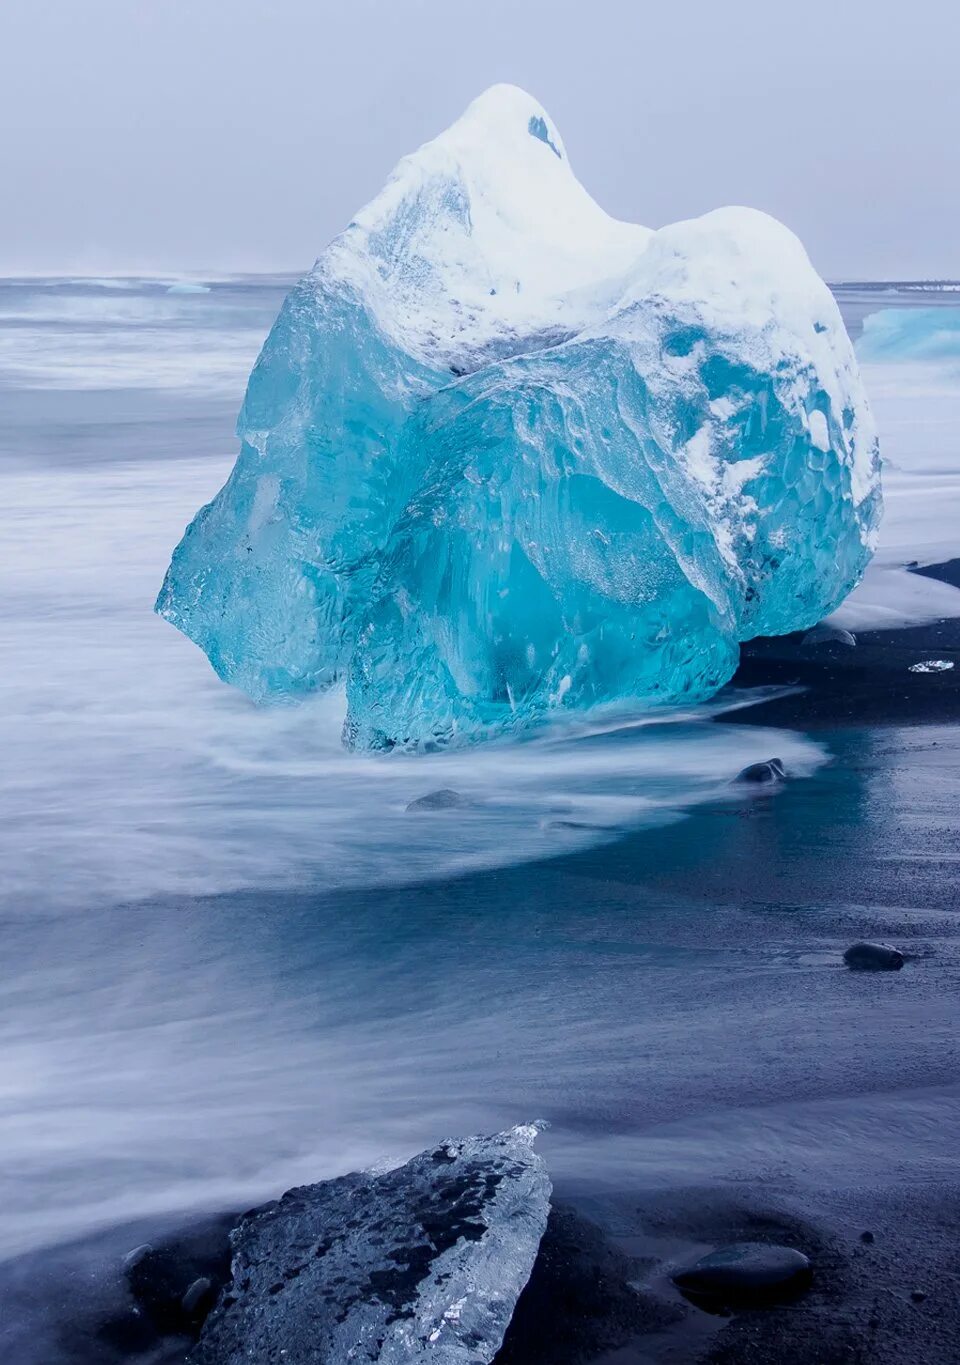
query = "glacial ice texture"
{"x": 425, "y": 1262}
{"x": 503, "y": 454}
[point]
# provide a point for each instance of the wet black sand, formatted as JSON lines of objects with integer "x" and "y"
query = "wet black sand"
{"x": 870, "y": 683}
{"x": 788, "y": 1099}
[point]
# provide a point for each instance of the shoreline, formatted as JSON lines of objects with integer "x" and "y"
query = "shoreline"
{"x": 672, "y": 1000}
{"x": 792, "y": 1097}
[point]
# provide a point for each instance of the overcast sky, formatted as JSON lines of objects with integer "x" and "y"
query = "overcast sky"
{"x": 242, "y": 134}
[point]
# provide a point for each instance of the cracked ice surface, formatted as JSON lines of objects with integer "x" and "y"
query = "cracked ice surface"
{"x": 424, "y": 1262}
{"x": 503, "y": 454}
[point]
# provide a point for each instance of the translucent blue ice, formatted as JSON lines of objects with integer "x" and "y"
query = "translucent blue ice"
{"x": 896, "y": 334}
{"x": 502, "y": 454}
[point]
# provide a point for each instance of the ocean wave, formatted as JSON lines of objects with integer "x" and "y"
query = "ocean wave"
{"x": 123, "y": 307}
{"x": 126, "y": 333}
{"x": 208, "y": 361}
{"x": 911, "y": 334}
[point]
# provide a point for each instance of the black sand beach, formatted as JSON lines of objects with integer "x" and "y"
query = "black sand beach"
{"x": 233, "y": 963}
{"x": 755, "y": 1089}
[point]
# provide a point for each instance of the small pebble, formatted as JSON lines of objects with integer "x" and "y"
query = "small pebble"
{"x": 772, "y": 770}
{"x": 198, "y": 1291}
{"x": 746, "y": 1272}
{"x": 867, "y": 1237}
{"x": 134, "y": 1257}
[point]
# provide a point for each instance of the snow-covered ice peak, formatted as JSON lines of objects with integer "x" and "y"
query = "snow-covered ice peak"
{"x": 484, "y": 235}
{"x": 741, "y": 273}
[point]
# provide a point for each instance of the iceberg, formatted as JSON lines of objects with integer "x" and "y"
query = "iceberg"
{"x": 502, "y": 454}
{"x": 424, "y": 1262}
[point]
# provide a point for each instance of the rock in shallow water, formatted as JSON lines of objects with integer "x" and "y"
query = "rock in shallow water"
{"x": 745, "y": 1273}
{"x": 173, "y": 1282}
{"x": 502, "y": 454}
{"x": 762, "y": 774}
{"x": 443, "y": 799}
{"x": 423, "y": 1263}
{"x": 873, "y": 957}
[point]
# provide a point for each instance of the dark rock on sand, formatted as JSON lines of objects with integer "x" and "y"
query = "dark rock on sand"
{"x": 746, "y": 1273}
{"x": 174, "y": 1283}
{"x": 445, "y": 798}
{"x": 873, "y": 957}
{"x": 836, "y": 686}
{"x": 772, "y": 770}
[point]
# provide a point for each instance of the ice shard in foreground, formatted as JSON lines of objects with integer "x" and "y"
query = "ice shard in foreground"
{"x": 422, "y": 1263}
{"x": 502, "y": 453}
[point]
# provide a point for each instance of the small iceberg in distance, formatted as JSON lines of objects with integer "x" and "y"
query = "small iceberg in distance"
{"x": 188, "y": 287}
{"x": 504, "y": 455}
{"x": 897, "y": 334}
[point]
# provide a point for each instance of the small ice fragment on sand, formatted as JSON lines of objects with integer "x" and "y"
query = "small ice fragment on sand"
{"x": 422, "y": 1263}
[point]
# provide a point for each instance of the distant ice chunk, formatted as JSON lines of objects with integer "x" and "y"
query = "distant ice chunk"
{"x": 932, "y": 666}
{"x": 899, "y": 334}
{"x": 188, "y": 287}
{"x": 422, "y": 1263}
{"x": 503, "y": 454}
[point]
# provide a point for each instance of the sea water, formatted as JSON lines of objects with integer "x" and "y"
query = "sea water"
{"x": 233, "y": 960}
